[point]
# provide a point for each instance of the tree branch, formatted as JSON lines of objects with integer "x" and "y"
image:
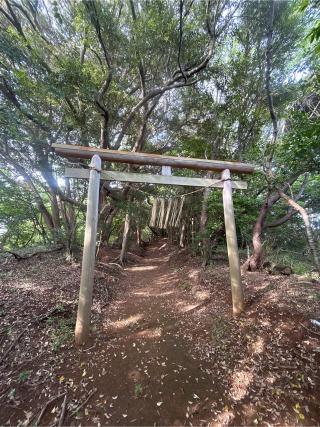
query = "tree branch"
{"x": 281, "y": 220}
{"x": 32, "y": 189}
{"x": 93, "y": 14}
{"x": 181, "y": 38}
{"x": 155, "y": 92}
{"x": 291, "y": 212}
{"x": 10, "y": 95}
{"x": 271, "y": 145}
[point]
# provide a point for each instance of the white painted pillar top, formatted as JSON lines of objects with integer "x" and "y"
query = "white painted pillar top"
{"x": 166, "y": 170}
{"x": 95, "y": 163}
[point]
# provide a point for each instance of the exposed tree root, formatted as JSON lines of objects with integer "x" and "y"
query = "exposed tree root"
{"x": 63, "y": 411}
{"x": 309, "y": 330}
{"x": 46, "y": 407}
{"x": 18, "y": 256}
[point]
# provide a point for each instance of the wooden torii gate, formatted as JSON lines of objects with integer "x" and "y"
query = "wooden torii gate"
{"x": 95, "y": 173}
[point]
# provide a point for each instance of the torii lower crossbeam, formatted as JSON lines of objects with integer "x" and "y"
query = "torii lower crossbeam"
{"x": 154, "y": 179}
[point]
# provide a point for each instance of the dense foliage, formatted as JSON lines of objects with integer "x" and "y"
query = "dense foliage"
{"x": 223, "y": 80}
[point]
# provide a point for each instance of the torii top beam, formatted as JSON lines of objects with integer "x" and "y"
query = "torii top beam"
{"x": 77, "y": 151}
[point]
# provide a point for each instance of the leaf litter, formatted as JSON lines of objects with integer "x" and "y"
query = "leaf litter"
{"x": 207, "y": 367}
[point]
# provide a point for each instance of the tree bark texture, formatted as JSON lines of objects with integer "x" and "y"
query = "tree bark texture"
{"x": 307, "y": 224}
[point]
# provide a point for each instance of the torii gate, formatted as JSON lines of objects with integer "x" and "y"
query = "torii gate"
{"x": 94, "y": 176}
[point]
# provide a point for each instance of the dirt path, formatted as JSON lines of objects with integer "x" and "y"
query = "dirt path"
{"x": 164, "y": 347}
{"x": 154, "y": 374}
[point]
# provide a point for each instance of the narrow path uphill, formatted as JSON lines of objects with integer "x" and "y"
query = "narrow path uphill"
{"x": 153, "y": 377}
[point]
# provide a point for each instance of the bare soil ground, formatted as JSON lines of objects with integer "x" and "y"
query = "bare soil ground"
{"x": 165, "y": 349}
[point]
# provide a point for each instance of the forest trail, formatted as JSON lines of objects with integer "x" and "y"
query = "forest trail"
{"x": 155, "y": 374}
{"x": 164, "y": 348}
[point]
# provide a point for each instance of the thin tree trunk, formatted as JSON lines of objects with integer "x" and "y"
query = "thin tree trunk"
{"x": 125, "y": 239}
{"x": 126, "y": 233}
{"x": 307, "y": 224}
{"x": 269, "y": 55}
{"x": 256, "y": 259}
{"x": 104, "y": 132}
{"x": 68, "y": 220}
{"x": 106, "y": 224}
{"x": 215, "y": 238}
{"x": 55, "y": 211}
{"x": 31, "y": 188}
{"x": 55, "y": 194}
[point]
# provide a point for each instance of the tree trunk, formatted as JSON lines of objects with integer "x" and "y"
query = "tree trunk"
{"x": 69, "y": 222}
{"x": 269, "y": 57}
{"x": 307, "y": 224}
{"x": 55, "y": 211}
{"x": 104, "y": 133}
{"x": 106, "y": 223}
{"x": 215, "y": 238}
{"x": 256, "y": 259}
{"x": 125, "y": 239}
{"x": 55, "y": 194}
{"x": 31, "y": 188}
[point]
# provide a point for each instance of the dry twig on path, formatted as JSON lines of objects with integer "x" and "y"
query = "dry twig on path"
{"x": 46, "y": 406}
{"x": 84, "y": 403}
{"x": 13, "y": 344}
{"x": 63, "y": 411}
